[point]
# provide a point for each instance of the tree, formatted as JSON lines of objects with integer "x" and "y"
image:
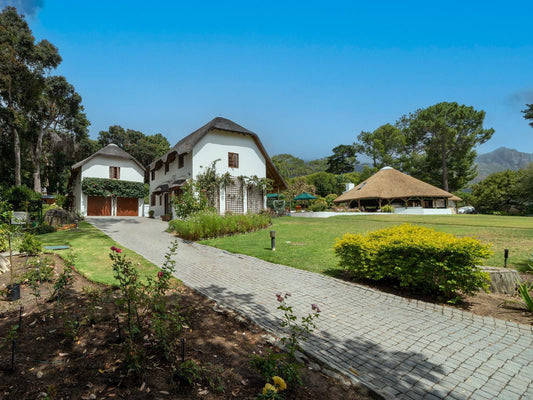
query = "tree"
{"x": 525, "y": 185}
{"x": 383, "y": 145}
{"x": 528, "y": 113}
{"x": 326, "y": 183}
{"x": 497, "y": 192}
{"x": 440, "y": 143}
{"x": 343, "y": 160}
{"x": 57, "y": 117}
{"x": 23, "y": 64}
{"x": 145, "y": 148}
{"x": 289, "y": 166}
{"x": 297, "y": 186}
{"x": 318, "y": 165}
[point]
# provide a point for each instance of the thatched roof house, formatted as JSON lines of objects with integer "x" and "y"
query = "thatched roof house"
{"x": 389, "y": 186}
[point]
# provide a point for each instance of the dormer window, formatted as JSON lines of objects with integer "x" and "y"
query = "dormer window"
{"x": 233, "y": 160}
{"x": 114, "y": 172}
{"x": 181, "y": 160}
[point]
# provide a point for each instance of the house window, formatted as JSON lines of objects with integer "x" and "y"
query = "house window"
{"x": 167, "y": 167}
{"x": 152, "y": 200}
{"x": 153, "y": 174}
{"x": 114, "y": 172}
{"x": 181, "y": 160}
{"x": 233, "y": 160}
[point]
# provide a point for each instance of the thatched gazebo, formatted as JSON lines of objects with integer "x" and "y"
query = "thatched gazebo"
{"x": 392, "y": 187}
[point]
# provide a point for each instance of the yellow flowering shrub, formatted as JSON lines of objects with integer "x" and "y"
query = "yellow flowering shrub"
{"x": 417, "y": 257}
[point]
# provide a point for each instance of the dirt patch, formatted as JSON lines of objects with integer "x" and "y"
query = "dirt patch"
{"x": 89, "y": 364}
{"x": 496, "y": 305}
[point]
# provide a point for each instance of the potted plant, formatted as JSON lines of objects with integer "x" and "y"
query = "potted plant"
{"x": 151, "y": 213}
{"x": 166, "y": 217}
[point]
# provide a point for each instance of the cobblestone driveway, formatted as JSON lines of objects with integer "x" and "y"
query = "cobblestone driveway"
{"x": 400, "y": 348}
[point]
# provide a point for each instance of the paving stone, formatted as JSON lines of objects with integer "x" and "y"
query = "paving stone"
{"x": 391, "y": 340}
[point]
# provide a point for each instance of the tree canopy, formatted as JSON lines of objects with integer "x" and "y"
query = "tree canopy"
{"x": 342, "y": 160}
{"x": 41, "y": 116}
{"x": 383, "y": 145}
{"x": 23, "y": 64}
{"x": 440, "y": 143}
{"x": 528, "y": 113}
{"x": 145, "y": 148}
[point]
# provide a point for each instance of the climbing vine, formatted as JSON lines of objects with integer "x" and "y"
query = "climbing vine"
{"x": 111, "y": 187}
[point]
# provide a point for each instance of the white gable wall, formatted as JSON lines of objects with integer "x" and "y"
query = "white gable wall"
{"x": 217, "y": 144}
{"x": 98, "y": 167}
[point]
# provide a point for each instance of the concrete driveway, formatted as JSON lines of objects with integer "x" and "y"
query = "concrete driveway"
{"x": 400, "y": 348}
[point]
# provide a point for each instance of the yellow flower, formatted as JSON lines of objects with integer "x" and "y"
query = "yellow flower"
{"x": 279, "y": 382}
{"x": 268, "y": 387}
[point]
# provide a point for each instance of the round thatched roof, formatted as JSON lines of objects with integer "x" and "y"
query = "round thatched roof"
{"x": 389, "y": 183}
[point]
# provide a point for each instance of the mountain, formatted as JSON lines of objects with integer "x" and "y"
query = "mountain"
{"x": 501, "y": 159}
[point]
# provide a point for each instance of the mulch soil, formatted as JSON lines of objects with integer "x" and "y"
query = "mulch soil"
{"x": 89, "y": 363}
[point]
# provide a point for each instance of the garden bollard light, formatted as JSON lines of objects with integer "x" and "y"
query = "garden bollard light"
{"x": 505, "y": 257}
{"x": 273, "y": 240}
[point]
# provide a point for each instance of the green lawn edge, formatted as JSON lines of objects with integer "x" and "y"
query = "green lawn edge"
{"x": 92, "y": 247}
{"x": 307, "y": 243}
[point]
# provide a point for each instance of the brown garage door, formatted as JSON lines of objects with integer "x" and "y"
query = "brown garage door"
{"x": 127, "y": 206}
{"x": 98, "y": 205}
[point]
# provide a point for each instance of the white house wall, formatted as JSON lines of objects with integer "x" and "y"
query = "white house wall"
{"x": 217, "y": 144}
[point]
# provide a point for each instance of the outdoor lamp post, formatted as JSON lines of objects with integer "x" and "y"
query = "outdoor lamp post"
{"x": 273, "y": 240}
{"x": 505, "y": 257}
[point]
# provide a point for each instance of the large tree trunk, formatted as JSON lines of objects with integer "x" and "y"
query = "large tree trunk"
{"x": 36, "y": 158}
{"x": 444, "y": 163}
{"x": 16, "y": 151}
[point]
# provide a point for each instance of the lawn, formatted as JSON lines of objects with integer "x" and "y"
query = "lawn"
{"x": 307, "y": 243}
{"x": 92, "y": 248}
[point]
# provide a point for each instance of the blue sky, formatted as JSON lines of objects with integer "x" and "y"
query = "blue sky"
{"x": 305, "y": 76}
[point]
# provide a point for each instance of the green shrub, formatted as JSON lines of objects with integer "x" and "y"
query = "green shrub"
{"x": 208, "y": 224}
{"x": 320, "y": 204}
{"x": 4, "y": 242}
{"x": 18, "y": 196}
{"x": 329, "y": 199}
{"x": 419, "y": 258}
{"x": 387, "y": 209}
{"x": 30, "y": 245}
{"x": 43, "y": 228}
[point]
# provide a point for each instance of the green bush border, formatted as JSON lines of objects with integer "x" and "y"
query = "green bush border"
{"x": 111, "y": 187}
{"x": 205, "y": 225}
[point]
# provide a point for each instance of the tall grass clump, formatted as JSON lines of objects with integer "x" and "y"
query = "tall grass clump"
{"x": 208, "y": 224}
{"x": 419, "y": 258}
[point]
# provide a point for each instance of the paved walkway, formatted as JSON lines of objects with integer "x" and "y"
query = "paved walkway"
{"x": 402, "y": 349}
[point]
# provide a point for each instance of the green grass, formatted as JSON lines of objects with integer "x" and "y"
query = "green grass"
{"x": 92, "y": 248}
{"x": 312, "y": 239}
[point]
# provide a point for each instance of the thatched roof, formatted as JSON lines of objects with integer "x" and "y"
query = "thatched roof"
{"x": 111, "y": 150}
{"x": 186, "y": 145}
{"x": 389, "y": 183}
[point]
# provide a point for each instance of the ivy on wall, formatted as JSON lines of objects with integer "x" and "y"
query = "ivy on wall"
{"x": 111, "y": 187}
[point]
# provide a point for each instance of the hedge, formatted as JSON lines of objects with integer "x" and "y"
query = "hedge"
{"x": 420, "y": 258}
{"x": 206, "y": 225}
{"x": 111, "y": 187}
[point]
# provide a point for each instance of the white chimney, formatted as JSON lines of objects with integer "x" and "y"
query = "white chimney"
{"x": 349, "y": 186}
